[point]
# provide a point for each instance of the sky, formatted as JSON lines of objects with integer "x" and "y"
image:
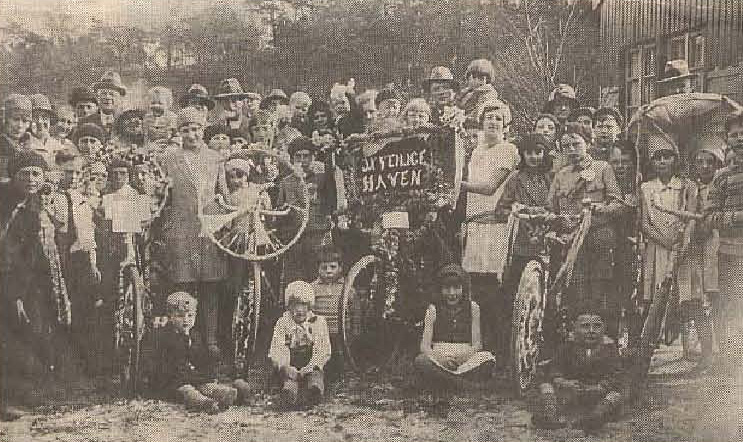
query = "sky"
{"x": 145, "y": 13}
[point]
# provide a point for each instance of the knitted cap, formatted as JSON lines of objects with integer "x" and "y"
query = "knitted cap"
{"x": 299, "y": 291}
{"x": 181, "y": 302}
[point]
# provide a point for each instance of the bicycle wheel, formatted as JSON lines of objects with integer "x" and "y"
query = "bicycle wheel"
{"x": 131, "y": 314}
{"x": 370, "y": 341}
{"x": 528, "y": 325}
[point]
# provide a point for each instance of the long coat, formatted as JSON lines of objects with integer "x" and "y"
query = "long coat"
{"x": 196, "y": 177}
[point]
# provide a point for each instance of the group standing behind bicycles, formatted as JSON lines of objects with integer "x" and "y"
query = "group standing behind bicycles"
{"x": 563, "y": 261}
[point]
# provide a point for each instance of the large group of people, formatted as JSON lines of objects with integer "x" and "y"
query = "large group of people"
{"x": 65, "y": 168}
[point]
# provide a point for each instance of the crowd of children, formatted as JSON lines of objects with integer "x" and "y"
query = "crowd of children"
{"x": 61, "y": 257}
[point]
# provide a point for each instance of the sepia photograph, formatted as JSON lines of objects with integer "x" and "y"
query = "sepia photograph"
{"x": 371, "y": 220}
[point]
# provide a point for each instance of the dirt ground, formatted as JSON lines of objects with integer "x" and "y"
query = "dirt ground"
{"x": 680, "y": 407}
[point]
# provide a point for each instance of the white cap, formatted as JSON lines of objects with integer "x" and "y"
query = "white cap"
{"x": 300, "y": 291}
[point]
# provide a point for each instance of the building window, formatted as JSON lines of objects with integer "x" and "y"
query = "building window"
{"x": 640, "y": 77}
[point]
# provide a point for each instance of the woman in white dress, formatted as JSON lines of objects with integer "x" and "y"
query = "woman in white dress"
{"x": 492, "y": 162}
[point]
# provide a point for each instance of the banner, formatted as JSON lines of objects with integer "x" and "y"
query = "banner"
{"x": 415, "y": 173}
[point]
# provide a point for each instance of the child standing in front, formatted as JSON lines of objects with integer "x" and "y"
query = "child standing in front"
{"x": 328, "y": 288}
{"x": 300, "y": 348}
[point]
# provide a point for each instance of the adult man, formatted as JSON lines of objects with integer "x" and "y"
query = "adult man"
{"x": 84, "y": 101}
{"x": 41, "y": 140}
{"x": 109, "y": 91}
{"x": 585, "y": 378}
{"x": 724, "y": 211}
{"x": 230, "y": 97}
{"x": 607, "y": 123}
{"x": 273, "y": 100}
{"x": 196, "y": 265}
{"x": 198, "y": 97}
{"x": 441, "y": 88}
{"x": 562, "y": 102}
{"x": 18, "y": 114}
{"x": 585, "y": 180}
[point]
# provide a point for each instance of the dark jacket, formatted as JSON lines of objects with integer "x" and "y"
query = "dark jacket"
{"x": 172, "y": 359}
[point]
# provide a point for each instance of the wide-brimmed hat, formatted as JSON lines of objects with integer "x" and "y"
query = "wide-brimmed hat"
{"x": 440, "y": 74}
{"x": 17, "y": 104}
{"x": 110, "y": 80}
{"x": 275, "y": 95}
{"x": 230, "y": 88}
{"x": 675, "y": 70}
{"x": 197, "y": 92}
{"x": 82, "y": 94}
{"x": 388, "y": 93}
{"x": 41, "y": 103}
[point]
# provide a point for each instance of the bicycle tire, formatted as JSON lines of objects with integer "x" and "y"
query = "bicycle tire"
{"x": 370, "y": 341}
{"x": 527, "y": 325}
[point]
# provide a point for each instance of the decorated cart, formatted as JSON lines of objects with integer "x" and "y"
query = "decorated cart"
{"x": 400, "y": 189}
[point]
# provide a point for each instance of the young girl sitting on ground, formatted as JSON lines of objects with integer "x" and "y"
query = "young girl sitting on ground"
{"x": 451, "y": 348}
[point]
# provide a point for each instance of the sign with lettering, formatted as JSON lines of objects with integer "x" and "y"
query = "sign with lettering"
{"x": 417, "y": 172}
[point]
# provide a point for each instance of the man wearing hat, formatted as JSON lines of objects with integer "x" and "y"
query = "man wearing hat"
{"x": 109, "y": 91}
{"x": 18, "y": 117}
{"x": 562, "y": 102}
{"x": 441, "y": 88}
{"x": 198, "y": 97}
{"x": 231, "y": 99}
{"x": 676, "y": 79}
{"x": 196, "y": 264}
{"x": 273, "y": 100}
{"x": 84, "y": 101}
{"x": 41, "y": 140}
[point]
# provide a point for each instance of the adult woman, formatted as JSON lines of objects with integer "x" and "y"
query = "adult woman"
{"x": 550, "y": 128}
{"x": 492, "y": 162}
{"x": 582, "y": 181}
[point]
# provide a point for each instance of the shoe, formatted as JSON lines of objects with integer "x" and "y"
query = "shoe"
{"x": 314, "y": 396}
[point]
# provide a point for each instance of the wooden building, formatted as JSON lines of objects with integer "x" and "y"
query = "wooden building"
{"x": 639, "y": 36}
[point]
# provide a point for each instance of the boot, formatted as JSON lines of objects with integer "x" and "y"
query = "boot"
{"x": 223, "y": 394}
{"x": 196, "y": 401}
{"x": 244, "y": 392}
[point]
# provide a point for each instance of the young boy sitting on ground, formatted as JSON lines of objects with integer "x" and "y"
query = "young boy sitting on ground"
{"x": 328, "y": 288}
{"x": 176, "y": 366}
{"x": 300, "y": 348}
{"x": 584, "y": 379}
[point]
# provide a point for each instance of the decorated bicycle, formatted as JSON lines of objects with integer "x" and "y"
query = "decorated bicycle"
{"x": 247, "y": 225}
{"x": 129, "y": 208}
